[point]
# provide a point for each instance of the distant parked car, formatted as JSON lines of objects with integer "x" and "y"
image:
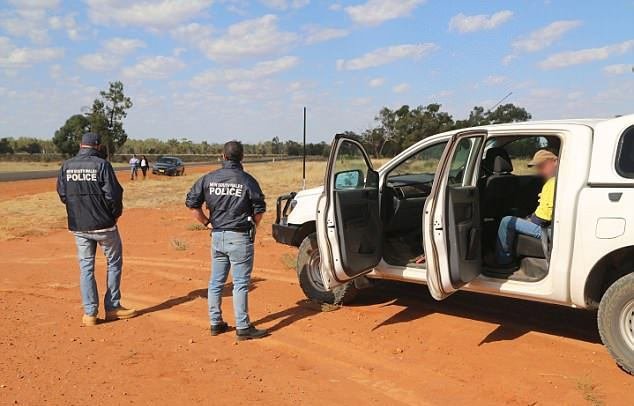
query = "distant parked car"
{"x": 169, "y": 165}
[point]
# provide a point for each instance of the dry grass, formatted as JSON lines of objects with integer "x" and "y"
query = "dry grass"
{"x": 39, "y": 213}
{"x": 7, "y": 166}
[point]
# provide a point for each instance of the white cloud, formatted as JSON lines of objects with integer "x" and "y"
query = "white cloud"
{"x": 31, "y": 24}
{"x": 285, "y": 4}
{"x": 98, "y": 62}
{"x": 154, "y": 14}
{"x": 34, "y": 4}
{"x": 193, "y": 33}
{"x": 565, "y": 59}
{"x": 464, "y": 23}
{"x": 315, "y": 34}
{"x": 375, "y": 12}
{"x": 619, "y": 69}
{"x": 494, "y": 80}
{"x": 56, "y": 71}
{"x": 383, "y": 56}
{"x": 12, "y": 58}
{"x": 540, "y": 39}
{"x": 376, "y": 82}
{"x": 259, "y": 71}
{"x": 155, "y": 67}
{"x": 401, "y": 88}
{"x": 66, "y": 23}
{"x": 259, "y": 36}
{"x": 122, "y": 46}
{"x": 110, "y": 57}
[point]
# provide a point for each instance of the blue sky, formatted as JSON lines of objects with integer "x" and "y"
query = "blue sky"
{"x": 220, "y": 69}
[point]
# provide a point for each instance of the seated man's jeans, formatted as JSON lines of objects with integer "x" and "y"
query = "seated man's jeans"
{"x": 110, "y": 242}
{"x": 230, "y": 249}
{"x": 509, "y": 228}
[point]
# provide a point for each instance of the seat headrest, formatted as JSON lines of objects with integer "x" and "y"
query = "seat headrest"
{"x": 501, "y": 165}
{"x": 490, "y": 159}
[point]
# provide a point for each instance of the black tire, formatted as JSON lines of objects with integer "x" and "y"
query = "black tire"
{"x": 616, "y": 321}
{"x": 307, "y": 260}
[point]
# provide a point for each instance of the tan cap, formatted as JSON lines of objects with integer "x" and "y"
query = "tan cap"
{"x": 541, "y": 156}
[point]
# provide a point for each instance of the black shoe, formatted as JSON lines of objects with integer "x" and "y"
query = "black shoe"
{"x": 219, "y": 328}
{"x": 250, "y": 333}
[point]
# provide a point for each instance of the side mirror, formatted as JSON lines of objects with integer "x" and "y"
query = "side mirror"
{"x": 349, "y": 179}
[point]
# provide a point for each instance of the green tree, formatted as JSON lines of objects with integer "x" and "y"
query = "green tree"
{"x": 107, "y": 114}
{"x": 68, "y": 137}
{"x": 5, "y": 146}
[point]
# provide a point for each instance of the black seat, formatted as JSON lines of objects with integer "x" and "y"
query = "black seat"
{"x": 527, "y": 246}
{"x": 499, "y": 185}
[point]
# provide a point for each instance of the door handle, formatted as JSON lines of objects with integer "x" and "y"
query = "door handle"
{"x": 615, "y": 196}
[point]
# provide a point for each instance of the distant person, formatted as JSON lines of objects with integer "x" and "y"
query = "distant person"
{"x": 236, "y": 206}
{"x": 89, "y": 188}
{"x": 546, "y": 164}
{"x": 145, "y": 165}
{"x": 134, "y": 167}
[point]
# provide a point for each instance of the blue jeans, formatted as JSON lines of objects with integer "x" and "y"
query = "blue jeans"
{"x": 110, "y": 242}
{"x": 508, "y": 230}
{"x": 230, "y": 249}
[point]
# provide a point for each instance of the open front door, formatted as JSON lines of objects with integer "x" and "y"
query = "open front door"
{"x": 452, "y": 225}
{"x": 349, "y": 231}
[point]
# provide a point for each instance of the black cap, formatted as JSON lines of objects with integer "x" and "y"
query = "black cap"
{"x": 91, "y": 139}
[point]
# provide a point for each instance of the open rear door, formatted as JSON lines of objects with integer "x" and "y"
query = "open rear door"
{"x": 349, "y": 231}
{"x": 452, "y": 225}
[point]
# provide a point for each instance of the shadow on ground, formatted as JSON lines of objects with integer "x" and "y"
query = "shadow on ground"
{"x": 514, "y": 317}
{"x": 193, "y": 295}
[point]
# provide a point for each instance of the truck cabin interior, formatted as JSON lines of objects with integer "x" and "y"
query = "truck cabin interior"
{"x": 506, "y": 187}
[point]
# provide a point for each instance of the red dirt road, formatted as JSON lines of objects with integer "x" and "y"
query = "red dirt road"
{"x": 396, "y": 345}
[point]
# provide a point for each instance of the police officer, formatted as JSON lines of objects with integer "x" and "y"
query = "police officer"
{"x": 87, "y": 185}
{"x": 236, "y": 205}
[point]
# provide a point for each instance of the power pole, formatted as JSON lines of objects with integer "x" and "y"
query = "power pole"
{"x": 304, "y": 155}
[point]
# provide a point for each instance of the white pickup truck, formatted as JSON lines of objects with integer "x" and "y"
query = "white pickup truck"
{"x": 430, "y": 215}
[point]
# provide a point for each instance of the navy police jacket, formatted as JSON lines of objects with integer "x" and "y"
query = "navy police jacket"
{"x": 89, "y": 188}
{"x": 232, "y": 196}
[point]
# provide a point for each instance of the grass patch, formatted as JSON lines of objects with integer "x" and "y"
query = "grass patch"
{"x": 178, "y": 244}
{"x": 289, "y": 261}
{"x": 196, "y": 227}
{"x": 589, "y": 394}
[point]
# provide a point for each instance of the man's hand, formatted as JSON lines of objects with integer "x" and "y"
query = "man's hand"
{"x": 258, "y": 218}
{"x": 200, "y": 216}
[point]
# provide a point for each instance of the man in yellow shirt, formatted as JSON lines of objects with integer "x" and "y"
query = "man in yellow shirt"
{"x": 546, "y": 164}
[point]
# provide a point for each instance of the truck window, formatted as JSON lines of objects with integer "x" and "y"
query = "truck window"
{"x": 421, "y": 165}
{"x": 625, "y": 155}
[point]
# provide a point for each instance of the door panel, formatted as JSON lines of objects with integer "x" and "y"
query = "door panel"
{"x": 358, "y": 226}
{"x": 349, "y": 229}
{"x": 452, "y": 225}
{"x": 464, "y": 232}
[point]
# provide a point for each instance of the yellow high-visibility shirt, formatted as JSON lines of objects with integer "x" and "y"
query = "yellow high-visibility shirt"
{"x": 547, "y": 200}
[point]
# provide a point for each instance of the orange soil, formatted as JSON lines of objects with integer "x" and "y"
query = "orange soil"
{"x": 395, "y": 345}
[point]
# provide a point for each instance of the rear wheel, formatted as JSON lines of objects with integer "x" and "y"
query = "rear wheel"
{"x": 616, "y": 321}
{"x": 308, "y": 262}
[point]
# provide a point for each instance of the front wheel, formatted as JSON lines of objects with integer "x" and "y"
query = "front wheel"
{"x": 616, "y": 321}
{"x": 308, "y": 261}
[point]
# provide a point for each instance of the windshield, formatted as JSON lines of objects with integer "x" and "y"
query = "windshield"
{"x": 170, "y": 161}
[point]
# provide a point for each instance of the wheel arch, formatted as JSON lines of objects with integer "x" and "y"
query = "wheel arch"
{"x": 605, "y": 272}
{"x": 303, "y": 231}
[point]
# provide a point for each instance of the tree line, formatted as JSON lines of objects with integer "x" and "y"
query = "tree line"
{"x": 392, "y": 132}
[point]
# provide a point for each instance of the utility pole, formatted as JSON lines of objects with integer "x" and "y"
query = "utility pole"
{"x": 304, "y": 155}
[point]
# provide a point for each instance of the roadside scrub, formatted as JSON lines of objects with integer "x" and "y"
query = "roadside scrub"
{"x": 39, "y": 213}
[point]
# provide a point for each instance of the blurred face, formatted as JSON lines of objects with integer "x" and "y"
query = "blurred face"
{"x": 547, "y": 169}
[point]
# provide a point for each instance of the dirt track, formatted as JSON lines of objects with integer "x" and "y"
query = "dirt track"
{"x": 396, "y": 345}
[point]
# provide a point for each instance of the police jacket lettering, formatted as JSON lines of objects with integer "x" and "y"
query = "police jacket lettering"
{"x": 232, "y": 196}
{"x": 89, "y": 188}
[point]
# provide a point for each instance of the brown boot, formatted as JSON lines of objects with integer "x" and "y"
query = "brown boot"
{"x": 120, "y": 313}
{"x": 89, "y": 320}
